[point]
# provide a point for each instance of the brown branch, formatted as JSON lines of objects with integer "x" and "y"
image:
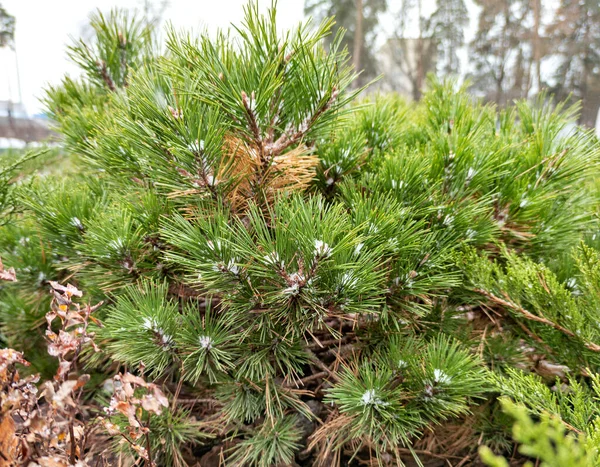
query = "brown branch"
{"x": 319, "y": 364}
{"x": 105, "y": 76}
{"x": 200, "y": 401}
{"x": 274, "y": 116}
{"x": 72, "y": 454}
{"x": 313, "y": 377}
{"x": 427, "y": 453}
{"x": 251, "y": 117}
{"x": 322, "y": 346}
{"x": 308, "y": 379}
{"x": 535, "y": 337}
{"x": 287, "y": 139}
{"x": 530, "y": 316}
{"x": 178, "y": 389}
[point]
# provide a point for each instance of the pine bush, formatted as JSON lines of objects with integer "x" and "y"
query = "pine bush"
{"x": 312, "y": 277}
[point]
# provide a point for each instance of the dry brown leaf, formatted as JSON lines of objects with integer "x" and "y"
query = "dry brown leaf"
{"x": 151, "y": 404}
{"x": 142, "y": 452}
{"x": 64, "y": 393}
{"x": 132, "y": 379}
{"x": 7, "y": 275}
{"x": 9, "y": 357}
{"x": 128, "y": 409}
{"x": 112, "y": 428}
{"x": 68, "y": 290}
{"x": 52, "y": 461}
{"x": 63, "y": 369}
{"x": 160, "y": 397}
{"x": 63, "y": 344}
{"x": 8, "y": 441}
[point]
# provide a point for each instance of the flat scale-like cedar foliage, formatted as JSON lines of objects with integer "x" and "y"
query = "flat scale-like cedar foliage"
{"x": 312, "y": 278}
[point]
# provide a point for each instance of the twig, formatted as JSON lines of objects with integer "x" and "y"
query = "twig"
{"x": 321, "y": 346}
{"x": 72, "y": 436}
{"x": 428, "y": 453}
{"x": 464, "y": 461}
{"x": 319, "y": 364}
{"x": 310, "y": 378}
{"x": 149, "y": 452}
{"x": 530, "y": 316}
{"x": 200, "y": 401}
{"x": 535, "y": 337}
{"x": 177, "y": 390}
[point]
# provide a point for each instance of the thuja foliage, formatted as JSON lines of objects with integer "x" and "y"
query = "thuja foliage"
{"x": 547, "y": 441}
{"x": 312, "y": 278}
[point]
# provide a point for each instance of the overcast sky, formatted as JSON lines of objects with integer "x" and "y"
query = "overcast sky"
{"x": 44, "y": 28}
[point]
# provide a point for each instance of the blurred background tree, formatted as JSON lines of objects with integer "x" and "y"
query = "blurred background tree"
{"x": 501, "y": 54}
{"x": 507, "y": 49}
{"x": 575, "y": 37}
{"x": 360, "y": 19}
{"x": 7, "y": 28}
{"x": 448, "y": 27}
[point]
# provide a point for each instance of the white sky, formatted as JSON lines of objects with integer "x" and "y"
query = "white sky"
{"x": 44, "y": 28}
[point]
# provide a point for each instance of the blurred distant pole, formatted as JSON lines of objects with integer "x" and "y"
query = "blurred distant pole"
{"x": 504, "y": 52}
{"x": 537, "y": 52}
{"x": 14, "y": 48}
{"x": 358, "y": 35}
{"x": 420, "y": 49}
